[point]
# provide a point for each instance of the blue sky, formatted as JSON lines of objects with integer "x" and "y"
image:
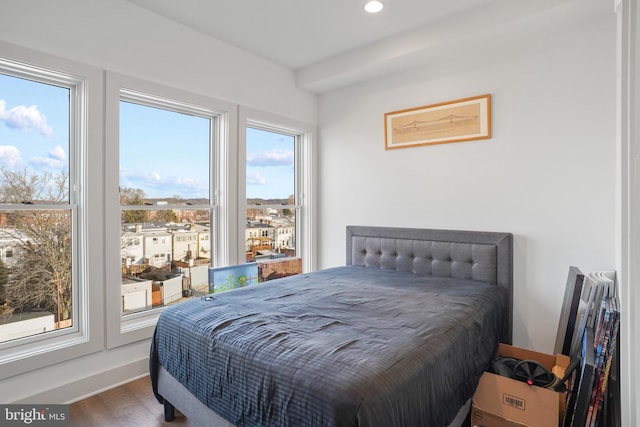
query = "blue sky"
{"x": 270, "y": 164}
{"x": 164, "y": 153}
{"x": 34, "y": 131}
{"x": 167, "y": 153}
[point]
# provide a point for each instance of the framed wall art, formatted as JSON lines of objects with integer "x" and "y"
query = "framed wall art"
{"x": 454, "y": 121}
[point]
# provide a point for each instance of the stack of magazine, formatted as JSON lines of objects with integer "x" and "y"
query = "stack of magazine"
{"x": 594, "y": 342}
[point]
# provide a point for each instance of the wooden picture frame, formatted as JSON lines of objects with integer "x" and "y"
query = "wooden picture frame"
{"x": 454, "y": 121}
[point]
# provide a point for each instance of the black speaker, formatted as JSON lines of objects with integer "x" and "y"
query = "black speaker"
{"x": 527, "y": 371}
{"x": 533, "y": 373}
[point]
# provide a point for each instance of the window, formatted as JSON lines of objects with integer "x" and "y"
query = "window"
{"x": 278, "y": 188}
{"x": 44, "y": 185}
{"x": 36, "y": 288}
{"x": 170, "y": 170}
{"x": 165, "y": 196}
{"x": 271, "y": 194}
{"x": 129, "y": 177}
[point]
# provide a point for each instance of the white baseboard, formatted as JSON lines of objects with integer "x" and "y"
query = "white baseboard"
{"x": 93, "y": 384}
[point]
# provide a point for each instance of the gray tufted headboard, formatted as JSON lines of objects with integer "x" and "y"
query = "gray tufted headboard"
{"x": 475, "y": 255}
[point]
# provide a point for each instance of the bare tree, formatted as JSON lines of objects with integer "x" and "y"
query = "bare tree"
{"x": 4, "y": 279}
{"x": 27, "y": 187}
{"x": 41, "y": 276}
{"x": 127, "y": 195}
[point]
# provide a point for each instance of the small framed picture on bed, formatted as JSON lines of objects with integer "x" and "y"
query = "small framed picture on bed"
{"x": 453, "y": 121}
{"x": 234, "y": 276}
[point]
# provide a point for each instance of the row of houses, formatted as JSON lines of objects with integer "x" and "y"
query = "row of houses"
{"x": 183, "y": 250}
{"x": 157, "y": 245}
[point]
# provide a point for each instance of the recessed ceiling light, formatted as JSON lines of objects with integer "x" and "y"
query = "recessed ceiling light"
{"x": 373, "y": 6}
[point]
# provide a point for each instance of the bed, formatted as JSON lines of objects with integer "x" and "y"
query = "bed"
{"x": 399, "y": 336}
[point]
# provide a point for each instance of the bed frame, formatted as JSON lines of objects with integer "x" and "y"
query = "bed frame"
{"x": 475, "y": 255}
{"x": 443, "y": 253}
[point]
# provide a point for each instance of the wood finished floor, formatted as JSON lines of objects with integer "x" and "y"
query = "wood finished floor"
{"x": 129, "y": 405}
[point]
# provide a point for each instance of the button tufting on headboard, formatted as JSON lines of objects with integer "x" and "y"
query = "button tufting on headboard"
{"x": 443, "y": 259}
{"x": 478, "y": 255}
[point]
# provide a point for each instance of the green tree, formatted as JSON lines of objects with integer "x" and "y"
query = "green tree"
{"x": 132, "y": 196}
{"x": 166, "y": 216}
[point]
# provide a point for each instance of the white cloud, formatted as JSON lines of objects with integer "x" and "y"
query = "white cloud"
{"x": 57, "y": 153}
{"x": 55, "y": 159}
{"x": 140, "y": 179}
{"x": 25, "y": 118}
{"x": 10, "y": 156}
{"x": 48, "y": 162}
{"x": 255, "y": 178}
{"x": 155, "y": 185}
{"x": 275, "y": 157}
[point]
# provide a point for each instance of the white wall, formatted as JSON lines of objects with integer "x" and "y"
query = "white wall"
{"x": 547, "y": 174}
{"x": 118, "y": 36}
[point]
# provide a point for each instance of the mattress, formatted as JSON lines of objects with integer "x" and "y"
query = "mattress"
{"x": 347, "y": 346}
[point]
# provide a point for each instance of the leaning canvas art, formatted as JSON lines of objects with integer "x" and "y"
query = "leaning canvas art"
{"x": 235, "y": 276}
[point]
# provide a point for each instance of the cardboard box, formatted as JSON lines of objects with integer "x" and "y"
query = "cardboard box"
{"x": 504, "y": 402}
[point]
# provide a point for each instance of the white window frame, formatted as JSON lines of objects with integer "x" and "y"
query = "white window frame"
{"x": 628, "y": 203}
{"x": 98, "y": 323}
{"x": 135, "y": 327}
{"x": 304, "y": 185}
{"x": 85, "y": 181}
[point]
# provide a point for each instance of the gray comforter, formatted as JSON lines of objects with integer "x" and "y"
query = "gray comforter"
{"x": 347, "y": 346}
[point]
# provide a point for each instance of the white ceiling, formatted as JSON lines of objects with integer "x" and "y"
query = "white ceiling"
{"x": 329, "y": 43}
{"x": 297, "y": 33}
